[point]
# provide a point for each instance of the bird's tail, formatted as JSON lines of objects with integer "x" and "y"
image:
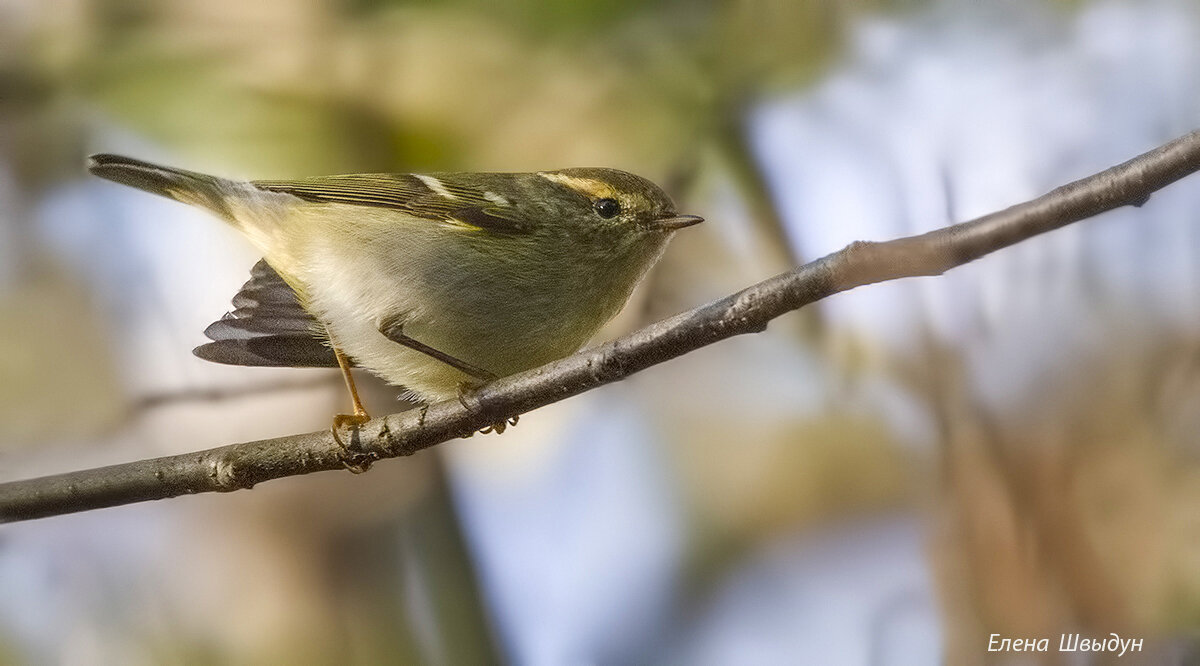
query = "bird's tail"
{"x": 189, "y": 187}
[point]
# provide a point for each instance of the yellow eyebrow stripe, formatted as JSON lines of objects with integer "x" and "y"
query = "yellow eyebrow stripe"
{"x": 588, "y": 187}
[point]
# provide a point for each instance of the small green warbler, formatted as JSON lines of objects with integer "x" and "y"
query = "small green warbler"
{"x": 432, "y": 282}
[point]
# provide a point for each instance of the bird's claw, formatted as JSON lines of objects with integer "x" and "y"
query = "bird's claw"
{"x": 464, "y": 392}
{"x": 500, "y": 427}
{"x": 357, "y": 463}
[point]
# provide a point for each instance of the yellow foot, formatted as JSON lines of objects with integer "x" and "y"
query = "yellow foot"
{"x": 464, "y": 392}
{"x": 349, "y": 458}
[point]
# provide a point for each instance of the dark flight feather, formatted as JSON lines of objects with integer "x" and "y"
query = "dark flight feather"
{"x": 268, "y": 327}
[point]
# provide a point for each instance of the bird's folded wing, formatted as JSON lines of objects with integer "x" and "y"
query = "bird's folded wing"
{"x": 425, "y": 197}
{"x": 267, "y": 327}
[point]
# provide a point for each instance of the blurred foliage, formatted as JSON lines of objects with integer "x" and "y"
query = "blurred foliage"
{"x": 32, "y": 337}
{"x": 310, "y": 87}
{"x": 557, "y": 18}
{"x": 798, "y": 473}
{"x": 1093, "y": 524}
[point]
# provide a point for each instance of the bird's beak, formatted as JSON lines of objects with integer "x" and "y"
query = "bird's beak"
{"x": 675, "y": 222}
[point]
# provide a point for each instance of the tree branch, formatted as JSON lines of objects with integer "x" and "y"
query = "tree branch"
{"x": 240, "y": 466}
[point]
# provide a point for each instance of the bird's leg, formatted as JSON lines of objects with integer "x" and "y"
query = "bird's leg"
{"x": 354, "y": 420}
{"x": 394, "y": 331}
{"x": 359, "y": 416}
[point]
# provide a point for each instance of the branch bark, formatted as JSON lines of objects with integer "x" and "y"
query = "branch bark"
{"x": 241, "y": 466}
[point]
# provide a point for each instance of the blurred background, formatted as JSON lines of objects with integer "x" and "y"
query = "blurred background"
{"x": 888, "y": 477}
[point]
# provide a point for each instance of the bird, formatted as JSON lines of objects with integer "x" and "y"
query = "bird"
{"x": 437, "y": 283}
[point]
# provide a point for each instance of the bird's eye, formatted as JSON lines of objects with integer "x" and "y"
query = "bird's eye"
{"x": 607, "y": 208}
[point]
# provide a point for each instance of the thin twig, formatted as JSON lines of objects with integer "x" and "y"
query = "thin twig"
{"x": 240, "y": 466}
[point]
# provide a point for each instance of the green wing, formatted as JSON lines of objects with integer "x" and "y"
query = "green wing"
{"x": 416, "y": 195}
